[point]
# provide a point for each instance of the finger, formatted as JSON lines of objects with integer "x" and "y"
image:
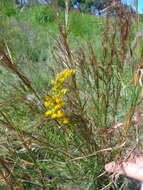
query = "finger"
{"x": 111, "y": 167}
{"x": 128, "y": 169}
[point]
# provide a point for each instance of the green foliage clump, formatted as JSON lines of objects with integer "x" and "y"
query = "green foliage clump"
{"x": 8, "y": 8}
{"x": 46, "y": 15}
{"x": 78, "y": 26}
{"x": 61, "y": 3}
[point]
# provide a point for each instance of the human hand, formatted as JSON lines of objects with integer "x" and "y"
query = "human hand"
{"x": 132, "y": 169}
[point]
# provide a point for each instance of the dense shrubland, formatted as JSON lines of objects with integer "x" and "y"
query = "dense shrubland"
{"x": 70, "y": 99}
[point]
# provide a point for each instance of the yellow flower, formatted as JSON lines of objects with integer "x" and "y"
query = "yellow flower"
{"x": 47, "y": 103}
{"x": 55, "y": 101}
{"x": 47, "y": 98}
{"x": 65, "y": 121}
{"x": 58, "y": 100}
{"x": 60, "y": 114}
{"x": 48, "y": 113}
{"x": 52, "y": 82}
{"x": 58, "y": 76}
{"x": 54, "y": 116}
{"x": 62, "y": 79}
{"x": 65, "y": 73}
{"x": 58, "y": 107}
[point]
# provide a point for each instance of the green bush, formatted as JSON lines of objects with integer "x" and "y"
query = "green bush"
{"x": 61, "y": 3}
{"x": 7, "y": 8}
{"x": 45, "y": 15}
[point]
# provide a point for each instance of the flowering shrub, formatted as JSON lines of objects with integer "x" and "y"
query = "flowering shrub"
{"x": 102, "y": 106}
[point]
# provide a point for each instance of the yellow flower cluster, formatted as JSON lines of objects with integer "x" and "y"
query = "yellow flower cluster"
{"x": 55, "y": 102}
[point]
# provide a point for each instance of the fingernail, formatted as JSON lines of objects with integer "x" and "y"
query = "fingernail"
{"x": 109, "y": 167}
